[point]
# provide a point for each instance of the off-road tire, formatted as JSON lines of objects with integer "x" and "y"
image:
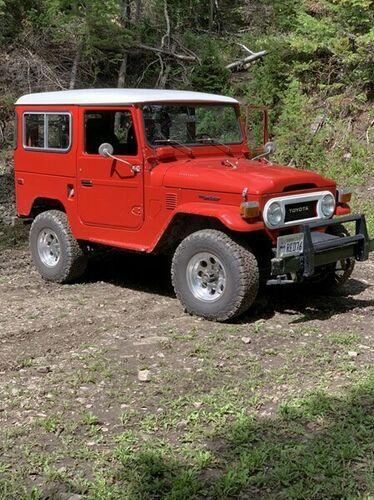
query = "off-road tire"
{"x": 72, "y": 262}
{"x": 328, "y": 279}
{"x": 241, "y": 268}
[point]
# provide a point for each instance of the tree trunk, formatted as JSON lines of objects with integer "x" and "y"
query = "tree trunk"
{"x": 74, "y": 68}
{"x": 161, "y": 84}
{"x": 211, "y": 14}
{"x": 138, "y": 10}
{"x": 122, "y": 73}
{"x": 126, "y": 13}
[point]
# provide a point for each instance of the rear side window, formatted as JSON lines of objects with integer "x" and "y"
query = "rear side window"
{"x": 47, "y": 131}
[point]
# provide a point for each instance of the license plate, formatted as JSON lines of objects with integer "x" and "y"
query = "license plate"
{"x": 291, "y": 244}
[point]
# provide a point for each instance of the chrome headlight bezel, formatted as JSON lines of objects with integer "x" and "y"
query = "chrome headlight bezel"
{"x": 275, "y": 208}
{"x": 327, "y": 205}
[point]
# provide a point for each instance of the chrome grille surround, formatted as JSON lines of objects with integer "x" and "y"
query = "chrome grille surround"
{"x": 289, "y": 200}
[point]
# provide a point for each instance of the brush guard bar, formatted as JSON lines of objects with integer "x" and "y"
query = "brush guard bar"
{"x": 326, "y": 251}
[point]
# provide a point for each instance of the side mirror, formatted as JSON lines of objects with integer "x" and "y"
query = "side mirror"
{"x": 106, "y": 150}
{"x": 269, "y": 148}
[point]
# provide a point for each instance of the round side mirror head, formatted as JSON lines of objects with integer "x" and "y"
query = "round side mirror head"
{"x": 269, "y": 148}
{"x": 105, "y": 149}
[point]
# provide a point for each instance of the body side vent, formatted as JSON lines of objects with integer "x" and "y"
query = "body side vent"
{"x": 171, "y": 201}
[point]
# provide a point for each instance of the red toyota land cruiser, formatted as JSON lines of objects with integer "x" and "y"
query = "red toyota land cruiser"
{"x": 170, "y": 171}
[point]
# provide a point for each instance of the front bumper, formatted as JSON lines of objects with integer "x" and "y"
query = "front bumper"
{"x": 322, "y": 251}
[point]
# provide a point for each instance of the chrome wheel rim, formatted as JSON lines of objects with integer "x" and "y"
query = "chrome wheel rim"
{"x": 206, "y": 277}
{"x": 49, "y": 249}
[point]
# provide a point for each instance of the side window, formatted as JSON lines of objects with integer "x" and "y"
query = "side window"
{"x": 49, "y": 131}
{"x": 34, "y": 130}
{"x": 58, "y": 131}
{"x": 114, "y": 127}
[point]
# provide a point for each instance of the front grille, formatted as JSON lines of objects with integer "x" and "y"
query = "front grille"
{"x": 299, "y": 211}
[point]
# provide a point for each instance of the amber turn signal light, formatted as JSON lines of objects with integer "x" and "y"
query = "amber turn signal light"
{"x": 249, "y": 209}
{"x": 344, "y": 195}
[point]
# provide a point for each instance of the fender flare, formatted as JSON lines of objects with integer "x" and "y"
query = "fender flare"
{"x": 228, "y": 215}
{"x": 49, "y": 203}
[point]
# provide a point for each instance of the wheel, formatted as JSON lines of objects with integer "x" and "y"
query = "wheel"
{"x": 55, "y": 252}
{"x": 333, "y": 276}
{"x": 213, "y": 276}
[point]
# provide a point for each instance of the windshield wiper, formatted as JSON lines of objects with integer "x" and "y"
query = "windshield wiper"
{"x": 173, "y": 142}
{"x": 211, "y": 140}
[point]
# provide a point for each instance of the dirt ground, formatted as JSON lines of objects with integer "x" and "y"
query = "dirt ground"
{"x": 71, "y": 357}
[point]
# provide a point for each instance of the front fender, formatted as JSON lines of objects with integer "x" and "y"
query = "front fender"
{"x": 229, "y": 215}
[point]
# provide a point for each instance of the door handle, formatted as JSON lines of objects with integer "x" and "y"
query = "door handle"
{"x": 86, "y": 183}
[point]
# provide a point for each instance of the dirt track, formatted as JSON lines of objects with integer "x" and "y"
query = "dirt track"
{"x": 129, "y": 295}
{"x": 68, "y": 350}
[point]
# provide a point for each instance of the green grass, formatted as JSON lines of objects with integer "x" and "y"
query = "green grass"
{"x": 344, "y": 338}
{"x": 367, "y": 208}
{"x": 318, "y": 446}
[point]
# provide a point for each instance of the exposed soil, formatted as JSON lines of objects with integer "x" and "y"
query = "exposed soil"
{"x": 68, "y": 352}
{"x": 132, "y": 294}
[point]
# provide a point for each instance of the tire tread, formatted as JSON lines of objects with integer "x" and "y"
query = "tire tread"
{"x": 75, "y": 263}
{"x": 248, "y": 274}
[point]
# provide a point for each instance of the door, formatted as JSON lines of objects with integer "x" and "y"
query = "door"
{"x": 110, "y": 191}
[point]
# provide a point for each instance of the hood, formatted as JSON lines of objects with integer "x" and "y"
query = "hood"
{"x": 217, "y": 175}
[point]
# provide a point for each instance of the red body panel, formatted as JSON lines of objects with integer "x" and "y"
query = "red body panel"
{"x": 132, "y": 210}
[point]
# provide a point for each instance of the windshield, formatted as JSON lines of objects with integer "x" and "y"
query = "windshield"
{"x": 191, "y": 124}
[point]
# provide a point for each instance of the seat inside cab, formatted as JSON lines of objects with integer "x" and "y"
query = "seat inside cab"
{"x": 113, "y": 127}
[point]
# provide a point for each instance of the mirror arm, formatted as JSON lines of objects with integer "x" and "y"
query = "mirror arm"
{"x": 262, "y": 155}
{"x": 134, "y": 168}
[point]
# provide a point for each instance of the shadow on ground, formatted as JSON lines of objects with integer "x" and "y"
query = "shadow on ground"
{"x": 145, "y": 273}
{"x": 151, "y": 274}
{"x": 315, "y": 448}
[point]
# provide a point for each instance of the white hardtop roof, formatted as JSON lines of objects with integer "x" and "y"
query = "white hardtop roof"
{"x": 119, "y": 96}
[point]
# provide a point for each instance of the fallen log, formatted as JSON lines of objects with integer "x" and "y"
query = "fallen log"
{"x": 246, "y": 61}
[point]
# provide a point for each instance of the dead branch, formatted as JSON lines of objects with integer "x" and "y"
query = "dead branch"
{"x": 142, "y": 76}
{"x": 168, "y": 49}
{"x": 185, "y": 49}
{"x": 165, "y": 41}
{"x": 166, "y": 52}
{"x": 316, "y": 126}
{"x": 246, "y": 61}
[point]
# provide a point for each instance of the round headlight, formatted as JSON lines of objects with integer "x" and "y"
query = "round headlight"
{"x": 274, "y": 214}
{"x": 328, "y": 205}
